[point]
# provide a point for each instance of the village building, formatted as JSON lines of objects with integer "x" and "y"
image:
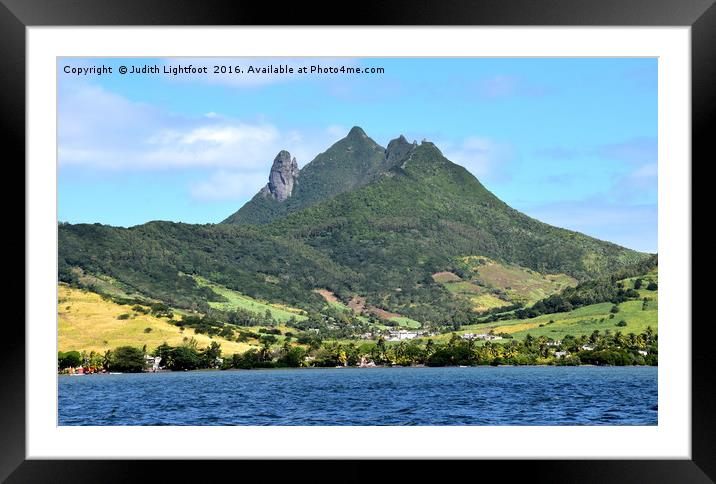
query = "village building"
{"x": 482, "y": 336}
{"x": 151, "y": 363}
{"x": 401, "y": 335}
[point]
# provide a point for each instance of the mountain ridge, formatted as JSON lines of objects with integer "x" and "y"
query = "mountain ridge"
{"x": 349, "y": 163}
{"x": 359, "y": 220}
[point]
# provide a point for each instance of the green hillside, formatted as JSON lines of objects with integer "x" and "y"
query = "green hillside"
{"x": 362, "y": 221}
{"x": 350, "y": 163}
{"x": 631, "y": 316}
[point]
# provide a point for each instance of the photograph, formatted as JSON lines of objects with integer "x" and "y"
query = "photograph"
{"x": 357, "y": 241}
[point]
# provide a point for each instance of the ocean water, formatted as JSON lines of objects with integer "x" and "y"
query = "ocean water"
{"x": 373, "y": 396}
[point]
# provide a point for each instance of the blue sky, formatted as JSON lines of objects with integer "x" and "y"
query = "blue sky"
{"x": 572, "y": 142}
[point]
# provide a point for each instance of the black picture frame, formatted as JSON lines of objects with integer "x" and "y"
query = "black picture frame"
{"x": 16, "y": 15}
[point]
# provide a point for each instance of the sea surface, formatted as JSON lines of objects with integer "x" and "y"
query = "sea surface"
{"x": 371, "y": 396}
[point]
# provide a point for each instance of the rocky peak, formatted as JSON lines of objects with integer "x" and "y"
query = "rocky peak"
{"x": 356, "y": 132}
{"x": 282, "y": 177}
{"x": 398, "y": 150}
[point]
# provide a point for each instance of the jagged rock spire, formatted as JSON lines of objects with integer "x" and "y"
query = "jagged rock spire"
{"x": 282, "y": 177}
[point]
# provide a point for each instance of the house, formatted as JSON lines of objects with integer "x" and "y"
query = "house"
{"x": 560, "y": 354}
{"x": 401, "y": 335}
{"x": 366, "y": 363}
{"x": 643, "y": 352}
{"x": 491, "y": 337}
{"x": 587, "y": 347}
{"x": 554, "y": 343}
{"x": 151, "y": 363}
{"x": 483, "y": 336}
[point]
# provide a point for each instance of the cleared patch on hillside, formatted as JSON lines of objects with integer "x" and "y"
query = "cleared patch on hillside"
{"x": 486, "y": 301}
{"x": 463, "y": 287}
{"x": 236, "y": 300}
{"x": 105, "y": 284}
{"x": 333, "y": 301}
{"x": 518, "y": 284}
{"x": 327, "y": 295}
{"x": 480, "y": 297}
{"x": 357, "y": 304}
{"x": 382, "y": 313}
{"x": 443, "y": 277}
{"x": 88, "y": 322}
{"x": 637, "y": 315}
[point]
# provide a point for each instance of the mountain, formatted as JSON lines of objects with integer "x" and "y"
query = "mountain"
{"x": 396, "y": 231}
{"x": 350, "y": 163}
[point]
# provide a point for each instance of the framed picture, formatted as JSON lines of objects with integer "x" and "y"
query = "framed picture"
{"x": 421, "y": 233}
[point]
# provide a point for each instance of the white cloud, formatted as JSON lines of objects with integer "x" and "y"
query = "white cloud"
{"x": 482, "y": 156}
{"x": 100, "y": 130}
{"x": 228, "y": 185}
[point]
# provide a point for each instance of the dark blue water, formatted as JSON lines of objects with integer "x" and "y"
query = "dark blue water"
{"x": 375, "y": 396}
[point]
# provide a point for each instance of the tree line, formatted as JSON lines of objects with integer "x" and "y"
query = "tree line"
{"x": 607, "y": 348}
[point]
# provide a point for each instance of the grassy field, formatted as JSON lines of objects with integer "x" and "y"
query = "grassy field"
{"x": 581, "y": 321}
{"x": 236, "y": 300}
{"x": 406, "y": 322}
{"x": 105, "y": 284}
{"x": 88, "y": 322}
{"x": 488, "y": 284}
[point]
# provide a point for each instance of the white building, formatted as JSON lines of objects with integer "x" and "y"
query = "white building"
{"x": 483, "y": 336}
{"x": 151, "y": 363}
{"x": 402, "y": 335}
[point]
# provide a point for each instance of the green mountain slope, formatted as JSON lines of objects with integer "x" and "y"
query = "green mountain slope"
{"x": 361, "y": 221}
{"x": 158, "y": 259}
{"x": 420, "y": 217}
{"x": 351, "y": 162}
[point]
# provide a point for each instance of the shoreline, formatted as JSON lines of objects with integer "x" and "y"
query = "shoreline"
{"x": 385, "y": 367}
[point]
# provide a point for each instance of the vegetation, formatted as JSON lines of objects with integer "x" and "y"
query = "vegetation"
{"x": 371, "y": 241}
{"x": 596, "y": 349}
{"x": 129, "y": 359}
{"x": 126, "y": 359}
{"x": 88, "y": 321}
{"x": 68, "y": 359}
{"x": 350, "y": 163}
{"x": 361, "y": 223}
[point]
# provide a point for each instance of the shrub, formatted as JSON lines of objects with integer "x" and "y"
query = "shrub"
{"x": 123, "y": 316}
{"x": 127, "y": 359}
{"x": 184, "y": 358}
{"x": 69, "y": 359}
{"x": 140, "y": 309}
